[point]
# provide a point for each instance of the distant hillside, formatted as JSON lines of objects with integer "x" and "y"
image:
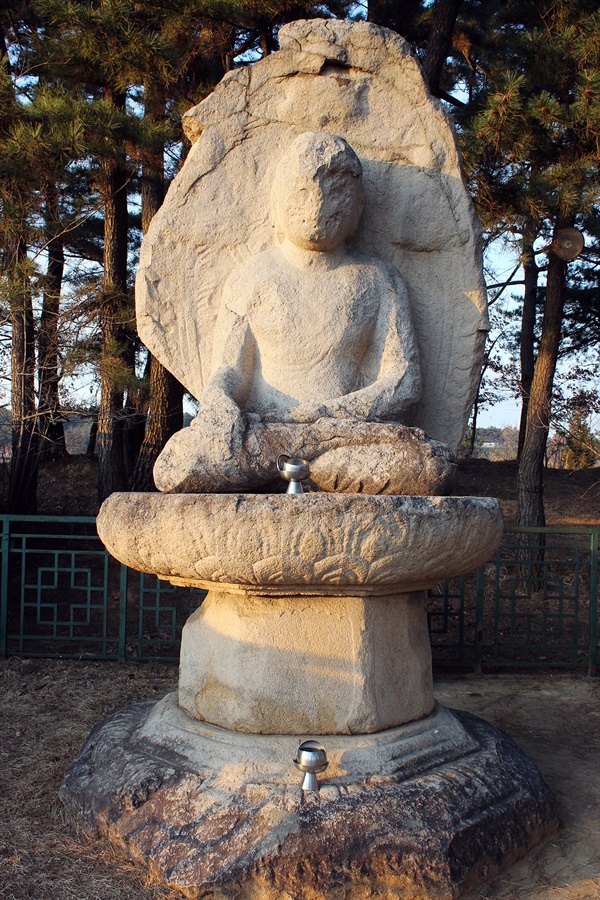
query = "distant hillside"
{"x": 496, "y": 444}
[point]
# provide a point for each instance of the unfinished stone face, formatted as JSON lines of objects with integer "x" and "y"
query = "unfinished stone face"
{"x": 213, "y": 242}
{"x": 317, "y": 195}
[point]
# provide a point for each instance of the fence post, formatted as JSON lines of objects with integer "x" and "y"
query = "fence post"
{"x": 593, "y": 645}
{"x": 4, "y": 585}
{"x": 479, "y": 598}
{"x": 123, "y": 612}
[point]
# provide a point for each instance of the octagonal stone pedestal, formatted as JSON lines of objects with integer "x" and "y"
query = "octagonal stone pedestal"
{"x": 315, "y": 619}
{"x": 314, "y": 625}
{"x": 425, "y": 811}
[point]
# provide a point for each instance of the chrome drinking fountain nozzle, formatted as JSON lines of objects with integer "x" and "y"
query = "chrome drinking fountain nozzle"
{"x": 311, "y": 759}
{"x": 294, "y": 470}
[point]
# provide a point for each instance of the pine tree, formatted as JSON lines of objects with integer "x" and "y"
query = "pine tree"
{"x": 532, "y": 151}
{"x": 582, "y": 447}
{"x": 97, "y": 46}
{"x": 16, "y": 191}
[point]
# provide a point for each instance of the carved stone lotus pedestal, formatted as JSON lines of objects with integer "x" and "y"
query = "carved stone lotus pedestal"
{"x": 316, "y": 603}
{"x": 314, "y": 625}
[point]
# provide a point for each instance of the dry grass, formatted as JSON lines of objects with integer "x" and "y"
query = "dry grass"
{"x": 47, "y": 708}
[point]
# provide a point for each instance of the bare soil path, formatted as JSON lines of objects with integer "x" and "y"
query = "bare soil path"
{"x": 556, "y": 720}
{"x": 47, "y": 708}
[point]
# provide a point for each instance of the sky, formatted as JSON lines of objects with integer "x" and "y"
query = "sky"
{"x": 499, "y": 263}
{"x": 501, "y": 414}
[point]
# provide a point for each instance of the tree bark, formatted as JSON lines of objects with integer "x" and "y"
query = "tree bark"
{"x": 24, "y": 461}
{"x": 439, "y": 42}
{"x": 153, "y": 157}
{"x": 165, "y": 417}
{"x": 475, "y": 415}
{"x": 50, "y": 425}
{"x": 22, "y": 486}
{"x": 530, "y": 477}
{"x": 118, "y": 354}
{"x": 527, "y": 336}
{"x": 165, "y": 407}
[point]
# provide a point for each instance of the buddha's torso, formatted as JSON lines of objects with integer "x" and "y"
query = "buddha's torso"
{"x": 311, "y": 329}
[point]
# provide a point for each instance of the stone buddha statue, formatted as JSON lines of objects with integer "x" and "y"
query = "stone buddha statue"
{"x": 314, "y": 354}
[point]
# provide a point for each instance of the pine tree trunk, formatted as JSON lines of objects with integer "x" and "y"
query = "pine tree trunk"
{"x": 439, "y": 42}
{"x": 118, "y": 356}
{"x": 165, "y": 409}
{"x": 530, "y": 477}
{"x": 153, "y": 158}
{"x": 165, "y": 417}
{"x": 24, "y": 461}
{"x": 473, "y": 436}
{"x": 527, "y": 334}
{"x": 22, "y": 487}
{"x": 50, "y": 425}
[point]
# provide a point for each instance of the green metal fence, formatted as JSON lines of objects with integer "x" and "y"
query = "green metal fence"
{"x": 526, "y": 607}
{"x": 62, "y": 595}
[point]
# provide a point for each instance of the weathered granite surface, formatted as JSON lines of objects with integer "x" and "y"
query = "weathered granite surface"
{"x": 314, "y": 277}
{"x": 292, "y": 665}
{"x": 420, "y": 823}
{"x": 301, "y": 544}
{"x": 310, "y": 333}
{"x": 413, "y": 258}
{"x": 315, "y": 618}
{"x": 345, "y": 455}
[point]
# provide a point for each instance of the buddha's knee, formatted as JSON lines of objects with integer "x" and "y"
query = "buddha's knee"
{"x": 418, "y": 469}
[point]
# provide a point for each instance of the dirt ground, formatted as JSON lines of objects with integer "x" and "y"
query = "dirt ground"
{"x": 47, "y": 708}
{"x": 69, "y": 487}
{"x": 570, "y": 497}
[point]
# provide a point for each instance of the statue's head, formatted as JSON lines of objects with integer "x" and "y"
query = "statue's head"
{"x": 317, "y": 191}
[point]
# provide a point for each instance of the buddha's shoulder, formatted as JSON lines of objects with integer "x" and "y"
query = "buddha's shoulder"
{"x": 374, "y": 269}
{"x": 254, "y": 267}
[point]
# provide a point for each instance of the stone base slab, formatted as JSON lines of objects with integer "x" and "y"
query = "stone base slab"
{"x": 427, "y": 810}
{"x": 237, "y": 758}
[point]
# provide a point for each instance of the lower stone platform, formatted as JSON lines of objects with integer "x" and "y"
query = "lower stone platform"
{"x": 427, "y": 810}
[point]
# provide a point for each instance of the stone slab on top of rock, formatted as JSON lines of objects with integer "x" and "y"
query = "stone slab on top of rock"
{"x": 314, "y": 543}
{"x": 218, "y": 818}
